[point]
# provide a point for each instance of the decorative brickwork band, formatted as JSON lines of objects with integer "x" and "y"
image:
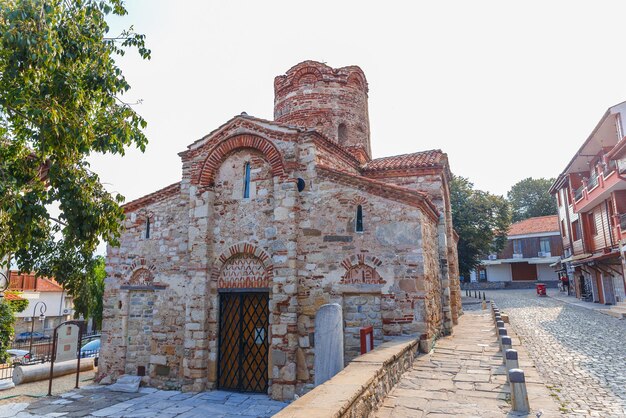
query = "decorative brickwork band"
{"x": 227, "y": 146}
{"x": 243, "y": 266}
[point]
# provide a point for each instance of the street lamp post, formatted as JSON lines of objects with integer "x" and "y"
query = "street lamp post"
{"x": 4, "y": 283}
{"x": 42, "y": 316}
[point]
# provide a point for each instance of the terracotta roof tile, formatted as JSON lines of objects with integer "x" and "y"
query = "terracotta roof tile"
{"x": 12, "y": 296}
{"x": 421, "y": 159}
{"x": 536, "y": 225}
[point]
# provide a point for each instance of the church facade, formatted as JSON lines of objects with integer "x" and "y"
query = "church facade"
{"x": 218, "y": 277}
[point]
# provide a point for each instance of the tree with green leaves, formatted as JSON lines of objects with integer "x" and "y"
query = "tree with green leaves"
{"x": 17, "y": 305}
{"x": 88, "y": 292}
{"x": 482, "y": 221}
{"x": 531, "y": 197}
{"x": 61, "y": 100}
{"x": 7, "y": 319}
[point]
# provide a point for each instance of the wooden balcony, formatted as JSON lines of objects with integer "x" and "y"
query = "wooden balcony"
{"x": 599, "y": 187}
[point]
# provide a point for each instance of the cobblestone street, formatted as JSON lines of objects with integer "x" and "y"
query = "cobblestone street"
{"x": 580, "y": 352}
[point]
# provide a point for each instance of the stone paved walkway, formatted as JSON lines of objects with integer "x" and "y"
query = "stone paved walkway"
{"x": 464, "y": 377}
{"x": 98, "y": 401}
{"x": 580, "y": 352}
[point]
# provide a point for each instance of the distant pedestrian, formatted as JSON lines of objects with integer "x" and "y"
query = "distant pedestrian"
{"x": 565, "y": 284}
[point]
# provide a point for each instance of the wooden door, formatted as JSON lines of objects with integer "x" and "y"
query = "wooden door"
{"x": 523, "y": 271}
{"x": 600, "y": 287}
{"x": 244, "y": 341}
{"x": 607, "y": 289}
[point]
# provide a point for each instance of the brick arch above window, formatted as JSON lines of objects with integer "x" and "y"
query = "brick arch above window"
{"x": 243, "y": 257}
{"x": 141, "y": 272}
{"x": 307, "y": 75}
{"x": 246, "y": 141}
{"x": 361, "y": 269}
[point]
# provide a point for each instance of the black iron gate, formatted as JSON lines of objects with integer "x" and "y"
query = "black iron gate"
{"x": 243, "y": 341}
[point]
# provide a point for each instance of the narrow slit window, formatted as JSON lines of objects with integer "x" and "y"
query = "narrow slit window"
{"x": 246, "y": 181}
{"x": 342, "y": 133}
{"x": 148, "y": 228}
{"x": 359, "y": 219}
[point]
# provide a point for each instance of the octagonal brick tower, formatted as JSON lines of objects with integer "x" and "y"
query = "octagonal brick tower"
{"x": 331, "y": 101}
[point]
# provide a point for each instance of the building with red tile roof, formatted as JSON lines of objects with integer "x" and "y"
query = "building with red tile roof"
{"x": 537, "y": 225}
{"x": 532, "y": 246}
{"x": 281, "y": 218}
{"x": 58, "y": 304}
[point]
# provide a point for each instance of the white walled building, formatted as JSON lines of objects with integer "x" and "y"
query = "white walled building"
{"x": 532, "y": 246}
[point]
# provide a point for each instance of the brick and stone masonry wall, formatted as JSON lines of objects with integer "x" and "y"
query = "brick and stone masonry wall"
{"x": 436, "y": 184}
{"x": 397, "y": 289}
{"x": 142, "y": 328}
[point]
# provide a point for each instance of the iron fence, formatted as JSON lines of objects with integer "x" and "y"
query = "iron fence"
{"x": 42, "y": 353}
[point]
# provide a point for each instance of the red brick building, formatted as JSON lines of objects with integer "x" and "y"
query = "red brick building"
{"x": 219, "y": 276}
{"x": 591, "y": 197}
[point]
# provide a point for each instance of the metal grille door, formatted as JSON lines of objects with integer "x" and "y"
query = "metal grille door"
{"x": 243, "y": 342}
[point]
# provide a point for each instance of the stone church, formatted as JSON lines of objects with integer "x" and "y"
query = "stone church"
{"x": 219, "y": 276}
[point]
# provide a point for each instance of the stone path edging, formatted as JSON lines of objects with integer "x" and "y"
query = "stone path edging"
{"x": 357, "y": 390}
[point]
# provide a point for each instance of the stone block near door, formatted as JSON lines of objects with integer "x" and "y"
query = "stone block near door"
{"x": 328, "y": 342}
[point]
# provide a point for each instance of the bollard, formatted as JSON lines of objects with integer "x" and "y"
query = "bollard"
{"x": 507, "y": 344}
{"x": 484, "y": 297}
{"x": 500, "y": 324}
{"x": 511, "y": 362}
{"x": 501, "y": 333}
{"x": 519, "y": 395}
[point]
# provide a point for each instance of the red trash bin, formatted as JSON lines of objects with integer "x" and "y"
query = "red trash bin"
{"x": 541, "y": 289}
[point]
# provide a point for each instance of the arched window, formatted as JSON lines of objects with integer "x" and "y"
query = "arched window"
{"x": 358, "y": 226}
{"x": 147, "y": 228}
{"x": 246, "y": 181}
{"x": 342, "y": 133}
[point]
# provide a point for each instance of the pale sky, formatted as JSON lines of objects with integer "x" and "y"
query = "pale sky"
{"x": 508, "y": 90}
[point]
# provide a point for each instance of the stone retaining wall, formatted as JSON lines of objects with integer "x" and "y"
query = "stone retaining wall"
{"x": 358, "y": 389}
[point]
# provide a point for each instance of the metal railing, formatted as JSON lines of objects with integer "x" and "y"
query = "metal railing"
{"x": 578, "y": 193}
{"x": 621, "y": 165}
{"x": 593, "y": 181}
{"x": 42, "y": 353}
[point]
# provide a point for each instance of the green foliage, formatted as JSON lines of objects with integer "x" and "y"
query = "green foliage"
{"x": 60, "y": 101}
{"x": 88, "y": 292}
{"x": 6, "y": 329}
{"x": 482, "y": 221}
{"x": 17, "y": 305}
{"x": 530, "y": 197}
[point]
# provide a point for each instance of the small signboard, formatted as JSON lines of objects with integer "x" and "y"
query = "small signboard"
{"x": 67, "y": 342}
{"x": 367, "y": 339}
{"x": 65, "y": 346}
